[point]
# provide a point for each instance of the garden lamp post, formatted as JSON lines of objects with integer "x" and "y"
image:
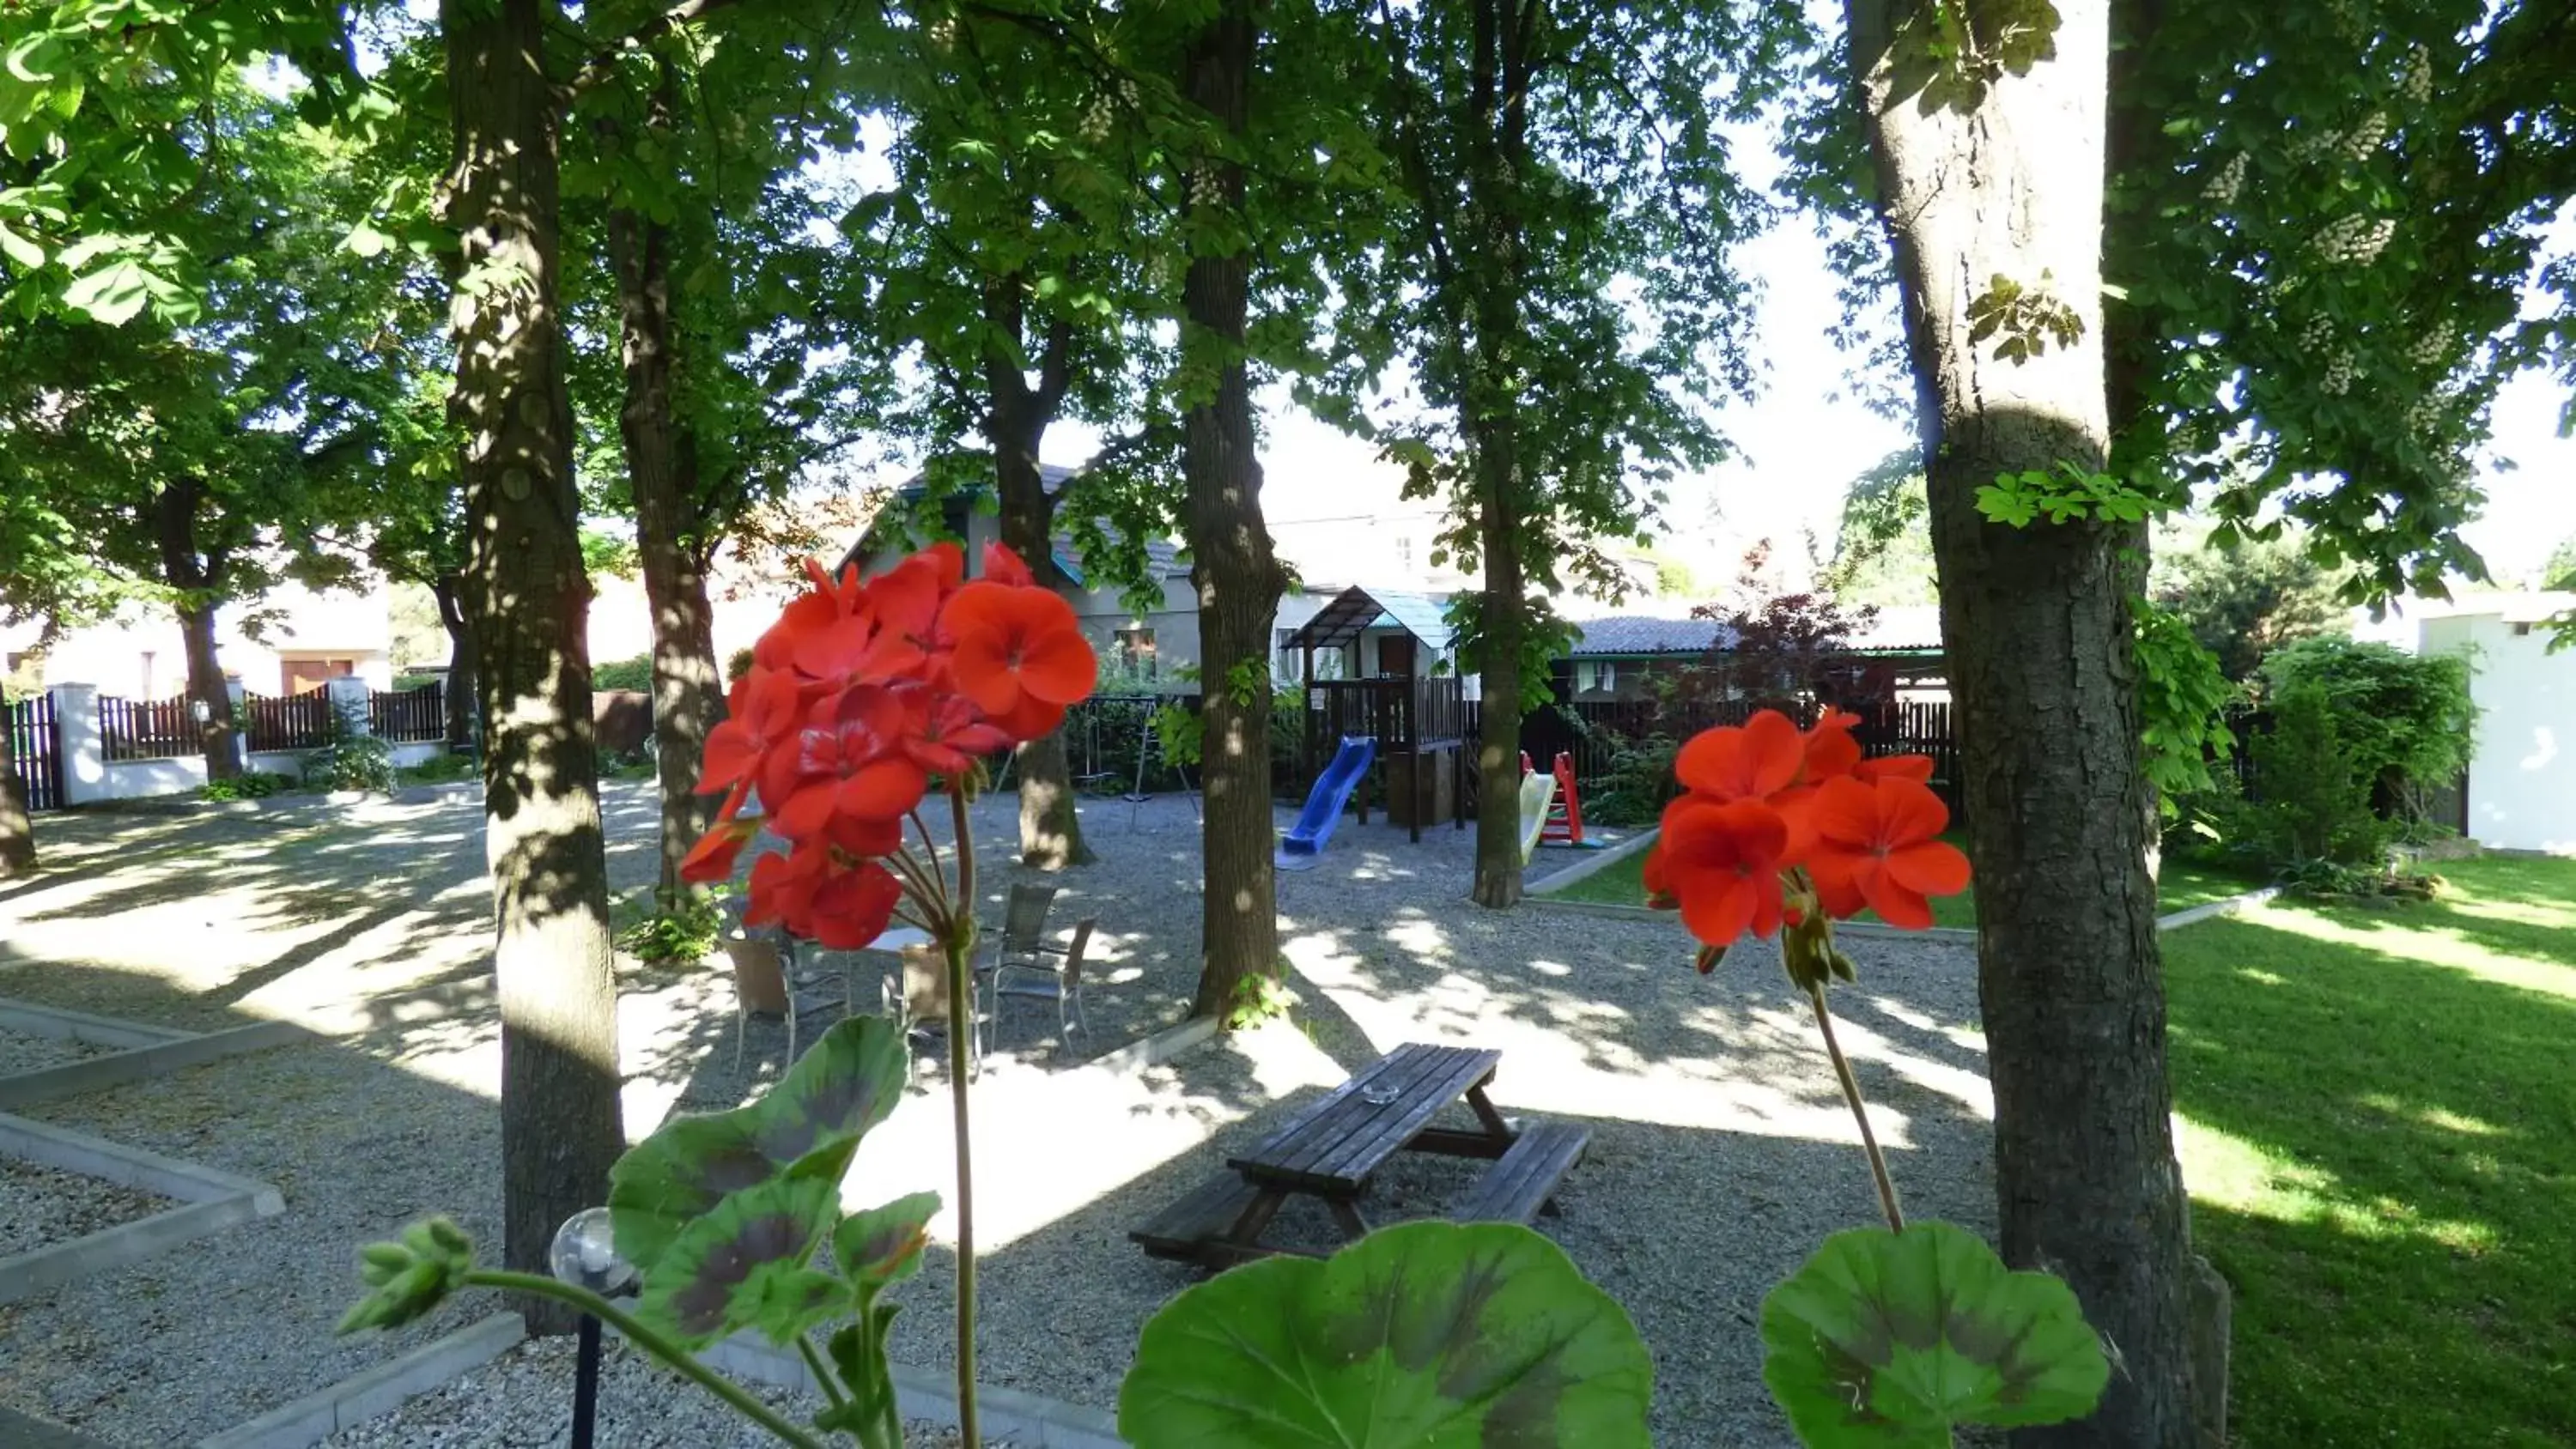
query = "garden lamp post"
{"x": 584, "y": 1254}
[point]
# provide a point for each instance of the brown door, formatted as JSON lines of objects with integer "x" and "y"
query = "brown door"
{"x": 303, "y": 674}
{"x": 1395, "y": 654}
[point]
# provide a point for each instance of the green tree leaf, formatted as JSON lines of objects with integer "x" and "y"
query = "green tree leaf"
{"x": 808, "y": 1127}
{"x": 1890, "y": 1339}
{"x": 1424, "y": 1334}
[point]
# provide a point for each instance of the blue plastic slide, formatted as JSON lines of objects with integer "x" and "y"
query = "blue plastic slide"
{"x": 1305, "y": 842}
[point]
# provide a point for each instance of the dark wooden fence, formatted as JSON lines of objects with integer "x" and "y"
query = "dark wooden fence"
{"x": 147, "y": 729}
{"x": 287, "y": 722}
{"x": 1595, "y": 732}
{"x": 408, "y": 717}
{"x": 35, "y": 750}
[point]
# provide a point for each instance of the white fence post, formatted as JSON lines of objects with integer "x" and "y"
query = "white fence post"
{"x": 84, "y": 747}
{"x": 241, "y": 717}
{"x": 349, "y": 698}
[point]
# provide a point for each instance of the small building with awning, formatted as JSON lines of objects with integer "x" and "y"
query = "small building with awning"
{"x": 1412, "y": 702}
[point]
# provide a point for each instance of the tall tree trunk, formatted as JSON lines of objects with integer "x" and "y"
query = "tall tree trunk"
{"x": 217, "y": 734}
{"x": 195, "y": 574}
{"x": 2037, "y": 623}
{"x": 17, "y": 833}
{"x": 1236, "y": 574}
{"x": 559, "y": 1108}
{"x": 452, "y": 591}
{"x": 1498, "y": 758}
{"x": 662, "y": 474}
{"x": 1498, "y": 159}
{"x": 1016, "y": 423}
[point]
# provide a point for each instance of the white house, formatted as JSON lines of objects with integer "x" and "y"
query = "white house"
{"x": 2522, "y": 781}
{"x": 288, "y": 641}
{"x": 1328, "y": 554}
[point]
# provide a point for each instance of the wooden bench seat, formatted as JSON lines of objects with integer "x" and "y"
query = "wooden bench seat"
{"x": 1522, "y": 1179}
{"x": 1185, "y": 1229}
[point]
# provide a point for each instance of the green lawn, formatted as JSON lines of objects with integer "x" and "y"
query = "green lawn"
{"x": 2379, "y": 1131}
{"x": 2179, "y": 885}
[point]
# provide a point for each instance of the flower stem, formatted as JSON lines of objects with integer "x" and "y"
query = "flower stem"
{"x": 651, "y": 1342}
{"x": 821, "y": 1371}
{"x": 1860, "y": 1111}
{"x": 961, "y": 1014}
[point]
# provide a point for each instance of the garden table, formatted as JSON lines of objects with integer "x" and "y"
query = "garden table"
{"x": 1332, "y": 1149}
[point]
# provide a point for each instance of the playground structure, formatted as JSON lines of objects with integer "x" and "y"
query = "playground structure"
{"x": 1416, "y": 719}
{"x": 1551, "y": 807}
{"x": 1304, "y": 844}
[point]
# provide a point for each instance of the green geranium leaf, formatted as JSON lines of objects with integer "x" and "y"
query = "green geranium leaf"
{"x": 1427, "y": 1334}
{"x": 808, "y": 1125}
{"x": 883, "y": 1245}
{"x": 1886, "y": 1340}
{"x": 747, "y": 1264}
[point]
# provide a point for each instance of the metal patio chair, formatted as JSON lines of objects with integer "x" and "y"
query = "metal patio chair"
{"x": 1053, "y": 973}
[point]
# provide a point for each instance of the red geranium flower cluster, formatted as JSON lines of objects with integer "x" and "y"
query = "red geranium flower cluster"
{"x": 857, "y": 697}
{"x": 1775, "y": 823}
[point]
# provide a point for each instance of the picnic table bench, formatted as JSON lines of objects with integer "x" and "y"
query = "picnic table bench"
{"x": 1332, "y": 1149}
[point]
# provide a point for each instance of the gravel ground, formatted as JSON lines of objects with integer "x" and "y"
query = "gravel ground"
{"x": 523, "y": 1399}
{"x": 1721, "y": 1152}
{"x": 22, "y": 1052}
{"x": 43, "y": 1206}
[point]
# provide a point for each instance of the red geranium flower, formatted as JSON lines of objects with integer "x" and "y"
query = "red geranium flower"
{"x": 856, "y": 697}
{"x": 1746, "y": 762}
{"x": 1917, "y": 768}
{"x": 1877, "y": 844}
{"x": 1015, "y": 643}
{"x": 1723, "y": 862}
{"x": 1831, "y": 750}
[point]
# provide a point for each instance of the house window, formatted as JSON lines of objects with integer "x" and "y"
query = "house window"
{"x": 1595, "y": 676}
{"x": 1136, "y": 650}
{"x": 1404, "y": 552}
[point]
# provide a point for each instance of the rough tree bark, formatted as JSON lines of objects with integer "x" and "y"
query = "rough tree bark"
{"x": 1233, "y": 568}
{"x": 531, "y": 601}
{"x": 452, "y": 591}
{"x": 1497, "y": 157}
{"x": 1015, "y": 422}
{"x": 2006, "y": 180}
{"x": 195, "y": 575}
{"x": 670, "y": 533}
{"x": 17, "y": 833}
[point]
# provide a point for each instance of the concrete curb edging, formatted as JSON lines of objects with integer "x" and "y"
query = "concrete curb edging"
{"x": 2215, "y": 909}
{"x": 1600, "y": 861}
{"x": 379, "y": 1390}
{"x": 927, "y": 1395}
{"x": 1171, "y": 1042}
{"x": 31, "y": 1019}
{"x": 1865, "y": 930}
{"x": 211, "y": 1200}
{"x": 117, "y": 1069}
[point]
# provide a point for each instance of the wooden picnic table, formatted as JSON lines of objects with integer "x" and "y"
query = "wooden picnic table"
{"x": 1332, "y": 1149}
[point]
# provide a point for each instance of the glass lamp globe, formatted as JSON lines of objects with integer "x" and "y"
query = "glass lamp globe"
{"x": 584, "y": 1254}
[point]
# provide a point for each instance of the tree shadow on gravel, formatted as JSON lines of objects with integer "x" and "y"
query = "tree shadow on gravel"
{"x": 1686, "y": 1227}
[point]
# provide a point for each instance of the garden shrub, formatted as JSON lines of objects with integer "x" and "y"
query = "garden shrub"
{"x": 1639, "y": 782}
{"x": 2406, "y": 721}
{"x": 248, "y": 785}
{"x": 2315, "y": 787}
{"x": 629, "y": 674}
{"x": 351, "y": 760}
